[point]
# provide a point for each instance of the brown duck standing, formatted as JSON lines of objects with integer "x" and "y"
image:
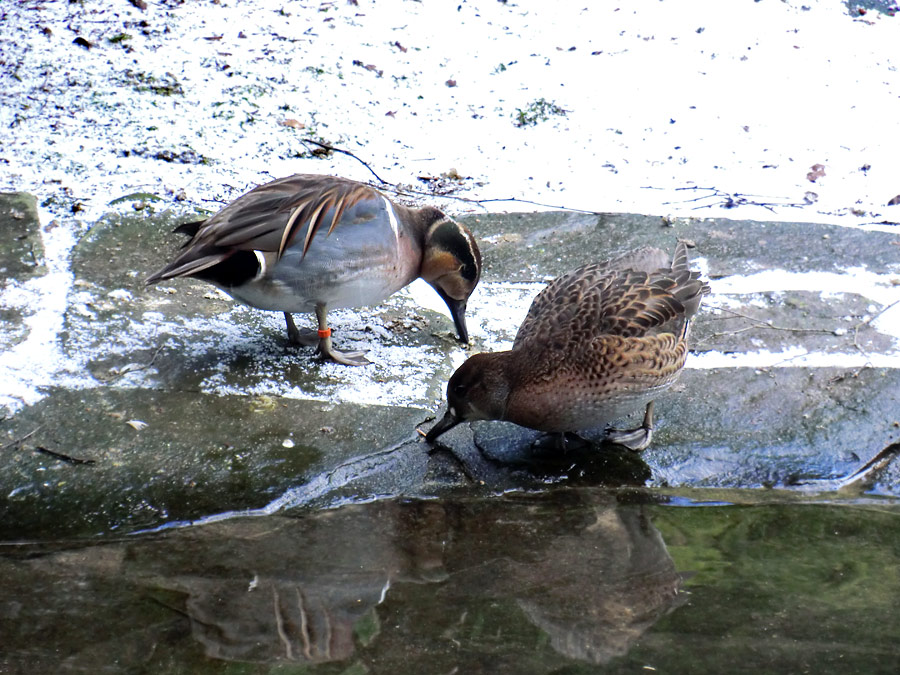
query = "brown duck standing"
{"x": 598, "y": 343}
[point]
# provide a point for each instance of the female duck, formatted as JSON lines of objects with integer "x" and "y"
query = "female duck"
{"x": 597, "y": 343}
{"x": 311, "y": 243}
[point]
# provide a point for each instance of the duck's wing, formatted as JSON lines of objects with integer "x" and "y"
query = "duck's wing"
{"x": 269, "y": 218}
{"x": 635, "y": 363}
{"x": 600, "y": 370}
{"x": 627, "y": 297}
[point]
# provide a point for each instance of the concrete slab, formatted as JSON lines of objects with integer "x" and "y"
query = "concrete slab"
{"x": 21, "y": 259}
{"x": 187, "y": 405}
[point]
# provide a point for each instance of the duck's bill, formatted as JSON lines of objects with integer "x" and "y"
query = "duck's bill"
{"x": 458, "y": 313}
{"x": 448, "y": 421}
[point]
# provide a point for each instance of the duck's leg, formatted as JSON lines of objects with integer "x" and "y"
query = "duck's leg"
{"x": 634, "y": 439}
{"x": 327, "y": 349}
{"x": 302, "y": 338}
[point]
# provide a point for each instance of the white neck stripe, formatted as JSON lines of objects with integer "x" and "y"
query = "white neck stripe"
{"x": 262, "y": 264}
{"x": 392, "y": 217}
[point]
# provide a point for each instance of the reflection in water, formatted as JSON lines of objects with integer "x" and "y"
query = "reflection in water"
{"x": 589, "y": 573}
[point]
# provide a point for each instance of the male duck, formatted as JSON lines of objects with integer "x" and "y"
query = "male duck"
{"x": 597, "y": 343}
{"x": 268, "y": 250}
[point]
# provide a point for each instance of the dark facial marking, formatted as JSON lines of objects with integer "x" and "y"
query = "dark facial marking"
{"x": 450, "y": 237}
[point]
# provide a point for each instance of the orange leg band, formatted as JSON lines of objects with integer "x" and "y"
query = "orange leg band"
{"x": 325, "y": 333}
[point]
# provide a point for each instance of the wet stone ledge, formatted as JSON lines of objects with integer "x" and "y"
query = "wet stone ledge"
{"x": 171, "y": 403}
{"x": 21, "y": 261}
{"x": 21, "y": 250}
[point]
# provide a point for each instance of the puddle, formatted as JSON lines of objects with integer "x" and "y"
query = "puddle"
{"x": 574, "y": 580}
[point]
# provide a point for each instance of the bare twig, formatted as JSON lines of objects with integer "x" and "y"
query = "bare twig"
{"x": 19, "y": 440}
{"x": 125, "y": 371}
{"x": 46, "y": 451}
{"x": 759, "y": 323}
{"x": 175, "y": 609}
{"x": 861, "y": 479}
{"x": 397, "y": 189}
{"x": 865, "y": 322}
{"x": 733, "y": 200}
{"x": 61, "y": 456}
{"x": 348, "y": 153}
{"x": 534, "y": 203}
{"x": 481, "y": 202}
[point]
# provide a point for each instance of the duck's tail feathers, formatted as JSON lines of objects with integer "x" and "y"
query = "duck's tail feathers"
{"x": 186, "y": 268}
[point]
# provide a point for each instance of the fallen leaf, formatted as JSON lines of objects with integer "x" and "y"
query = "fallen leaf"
{"x": 450, "y": 83}
{"x": 894, "y": 201}
{"x": 399, "y": 46}
{"x": 368, "y": 66}
{"x": 390, "y": 113}
{"x": 81, "y": 42}
{"x": 140, "y": 4}
{"x": 137, "y": 425}
{"x": 293, "y": 124}
{"x": 213, "y": 37}
{"x": 816, "y": 172}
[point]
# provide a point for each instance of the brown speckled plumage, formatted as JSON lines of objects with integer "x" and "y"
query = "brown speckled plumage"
{"x": 597, "y": 343}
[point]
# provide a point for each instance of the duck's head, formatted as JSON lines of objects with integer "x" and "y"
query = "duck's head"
{"x": 478, "y": 390}
{"x": 451, "y": 263}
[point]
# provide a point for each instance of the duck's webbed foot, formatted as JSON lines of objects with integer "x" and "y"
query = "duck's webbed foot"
{"x": 326, "y": 348}
{"x": 635, "y": 440}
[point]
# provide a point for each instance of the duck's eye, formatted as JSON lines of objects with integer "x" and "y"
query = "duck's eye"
{"x": 459, "y": 389}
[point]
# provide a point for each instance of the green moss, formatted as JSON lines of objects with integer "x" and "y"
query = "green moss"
{"x": 166, "y": 85}
{"x": 537, "y": 111}
{"x": 136, "y": 197}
